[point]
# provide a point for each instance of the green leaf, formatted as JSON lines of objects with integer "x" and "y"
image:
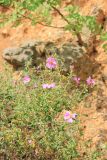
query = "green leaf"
{"x": 32, "y": 5}
{"x": 5, "y": 2}
{"x": 104, "y": 36}
{"x": 105, "y": 47}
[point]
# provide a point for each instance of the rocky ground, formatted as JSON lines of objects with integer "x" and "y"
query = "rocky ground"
{"x": 94, "y": 114}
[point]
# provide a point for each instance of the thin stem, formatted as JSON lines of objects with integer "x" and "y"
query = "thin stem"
{"x": 63, "y": 17}
{"x": 80, "y": 41}
{"x": 46, "y": 25}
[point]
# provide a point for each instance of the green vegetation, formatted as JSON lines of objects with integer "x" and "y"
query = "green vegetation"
{"x": 104, "y": 39}
{"x": 32, "y": 123}
{"x": 39, "y": 11}
{"x": 5, "y": 2}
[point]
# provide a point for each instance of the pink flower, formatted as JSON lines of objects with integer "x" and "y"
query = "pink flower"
{"x": 51, "y": 63}
{"x": 74, "y": 116}
{"x": 52, "y": 85}
{"x": 90, "y": 81}
{"x": 45, "y": 86}
{"x": 67, "y": 115}
{"x": 77, "y": 80}
{"x": 70, "y": 120}
{"x": 30, "y": 141}
{"x": 26, "y": 79}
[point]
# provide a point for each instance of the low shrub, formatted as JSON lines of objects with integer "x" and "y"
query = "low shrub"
{"x": 32, "y": 112}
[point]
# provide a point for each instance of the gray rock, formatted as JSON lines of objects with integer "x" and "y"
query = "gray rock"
{"x": 50, "y": 48}
{"x": 71, "y": 52}
{"x": 29, "y": 44}
{"x": 17, "y": 56}
{"x": 38, "y": 51}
